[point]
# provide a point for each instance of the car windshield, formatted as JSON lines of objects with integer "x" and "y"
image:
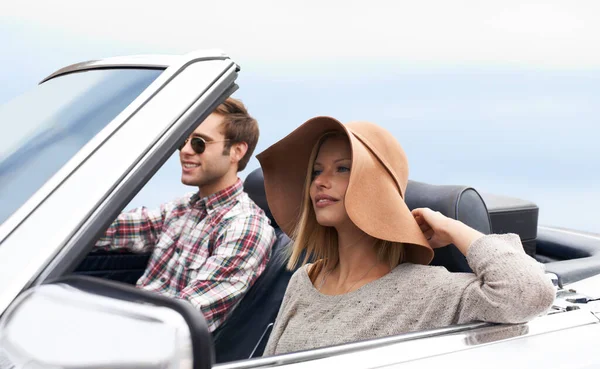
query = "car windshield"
{"x": 44, "y": 128}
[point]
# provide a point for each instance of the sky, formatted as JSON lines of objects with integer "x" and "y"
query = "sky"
{"x": 499, "y": 95}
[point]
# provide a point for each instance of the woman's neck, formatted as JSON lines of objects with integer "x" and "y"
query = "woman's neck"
{"x": 358, "y": 261}
{"x": 356, "y": 250}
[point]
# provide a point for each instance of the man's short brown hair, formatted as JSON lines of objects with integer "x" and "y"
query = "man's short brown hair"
{"x": 239, "y": 127}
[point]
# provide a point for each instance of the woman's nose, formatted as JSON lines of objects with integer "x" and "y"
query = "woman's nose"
{"x": 323, "y": 180}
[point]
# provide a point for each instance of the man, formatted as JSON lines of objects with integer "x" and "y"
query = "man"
{"x": 209, "y": 247}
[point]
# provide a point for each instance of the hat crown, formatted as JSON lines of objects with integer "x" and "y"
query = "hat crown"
{"x": 386, "y": 148}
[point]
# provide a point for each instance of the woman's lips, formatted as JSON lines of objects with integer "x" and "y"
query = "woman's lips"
{"x": 322, "y": 201}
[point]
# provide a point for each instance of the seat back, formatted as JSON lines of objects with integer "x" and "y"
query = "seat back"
{"x": 246, "y": 331}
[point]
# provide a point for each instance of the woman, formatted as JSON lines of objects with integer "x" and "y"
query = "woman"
{"x": 370, "y": 278}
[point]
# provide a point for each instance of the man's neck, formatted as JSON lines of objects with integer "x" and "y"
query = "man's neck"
{"x": 224, "y": 182}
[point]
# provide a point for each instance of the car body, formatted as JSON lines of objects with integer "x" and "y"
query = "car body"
{"x": 119, "y": 121}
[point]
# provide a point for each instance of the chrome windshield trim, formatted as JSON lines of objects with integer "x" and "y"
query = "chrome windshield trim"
{"x": 135, "y": 61}
{"x": 462, "y": 337}
{"x": 21, "y": 214}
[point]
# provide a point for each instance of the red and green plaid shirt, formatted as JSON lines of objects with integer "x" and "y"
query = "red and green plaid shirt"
{"x": 208, "y": 251}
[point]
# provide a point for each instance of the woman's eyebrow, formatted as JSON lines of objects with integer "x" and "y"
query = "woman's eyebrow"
{"x": 336, "y": 161}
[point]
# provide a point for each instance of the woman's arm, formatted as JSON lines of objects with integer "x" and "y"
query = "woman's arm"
{"x": 441, "y": 231}
{"x": 509, "y": 286}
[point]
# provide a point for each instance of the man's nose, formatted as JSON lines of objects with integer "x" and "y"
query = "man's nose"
{"x": 187, "y": 149}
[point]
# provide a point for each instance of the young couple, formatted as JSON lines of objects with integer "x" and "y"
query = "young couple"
{"x": 338, "y": 191}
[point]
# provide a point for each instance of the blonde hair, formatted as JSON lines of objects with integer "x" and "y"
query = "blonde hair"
{"x": 320, "y": 243}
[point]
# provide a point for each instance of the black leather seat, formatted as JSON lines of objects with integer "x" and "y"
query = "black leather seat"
{"x": 246, "y": 331}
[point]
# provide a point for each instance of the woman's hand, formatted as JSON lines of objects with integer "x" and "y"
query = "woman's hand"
{"x": 441, "y": 231}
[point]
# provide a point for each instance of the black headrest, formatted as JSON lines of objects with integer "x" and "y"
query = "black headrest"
{"x": 254, "y": 185}
{"x": 457, "y": 202}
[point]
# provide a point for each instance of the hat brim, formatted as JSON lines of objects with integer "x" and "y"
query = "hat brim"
{"x": 374, "y": 201}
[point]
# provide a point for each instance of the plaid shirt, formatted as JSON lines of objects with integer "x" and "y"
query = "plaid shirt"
{"x": 208, "y": 251}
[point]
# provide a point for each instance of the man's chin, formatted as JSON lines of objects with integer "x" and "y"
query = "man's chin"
{"x": 189, "y": 182}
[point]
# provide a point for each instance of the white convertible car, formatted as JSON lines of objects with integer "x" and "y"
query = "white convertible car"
{"x": 75, "y": 151}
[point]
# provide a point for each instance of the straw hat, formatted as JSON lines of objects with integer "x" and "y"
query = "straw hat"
{"x": 374, "y": 198}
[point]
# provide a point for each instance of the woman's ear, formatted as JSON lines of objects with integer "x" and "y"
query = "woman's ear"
{"x": 237, "y": 152}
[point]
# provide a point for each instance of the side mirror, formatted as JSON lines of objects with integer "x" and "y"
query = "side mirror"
{"x": 82, "y": 322}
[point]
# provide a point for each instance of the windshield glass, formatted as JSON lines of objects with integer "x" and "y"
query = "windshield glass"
{"x": 44, "y": 128}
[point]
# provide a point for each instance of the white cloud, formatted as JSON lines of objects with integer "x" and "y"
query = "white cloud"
{"x": 540, "y": 34}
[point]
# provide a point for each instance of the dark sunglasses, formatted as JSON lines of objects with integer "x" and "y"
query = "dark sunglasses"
{"x": 198, "y": 144}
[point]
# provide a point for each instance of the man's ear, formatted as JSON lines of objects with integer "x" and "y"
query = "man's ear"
{"x": 237, "y": 151}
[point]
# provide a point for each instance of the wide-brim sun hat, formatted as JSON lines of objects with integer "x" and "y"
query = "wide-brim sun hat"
{"x": 374, "y": 198}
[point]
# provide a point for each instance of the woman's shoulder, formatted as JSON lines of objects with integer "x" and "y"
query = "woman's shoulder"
{"x": 300, "y": 278}
{"x": 430, "y": 275}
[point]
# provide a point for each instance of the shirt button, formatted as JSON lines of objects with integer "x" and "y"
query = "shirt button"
{"x": 163, "y": 279}
{"x": 178, "y": 250}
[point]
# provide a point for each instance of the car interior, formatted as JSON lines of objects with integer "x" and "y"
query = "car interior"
{"x": 246, "y": 331}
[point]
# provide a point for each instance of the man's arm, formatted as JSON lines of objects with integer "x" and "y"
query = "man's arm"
{"x": 238, "y": 259}
{"x": 138, "y": 230}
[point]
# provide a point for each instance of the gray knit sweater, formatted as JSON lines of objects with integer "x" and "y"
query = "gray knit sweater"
{"x": 507, "y": 286}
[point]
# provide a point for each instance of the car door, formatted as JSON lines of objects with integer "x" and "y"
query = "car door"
{"x": 55, "y": 227}
{"x": 561, "y": 339}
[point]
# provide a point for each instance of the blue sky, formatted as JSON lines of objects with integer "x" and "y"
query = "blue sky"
{"x": 502, "y": 96}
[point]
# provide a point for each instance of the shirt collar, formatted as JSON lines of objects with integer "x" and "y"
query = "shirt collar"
{"x": 217, "y": 199}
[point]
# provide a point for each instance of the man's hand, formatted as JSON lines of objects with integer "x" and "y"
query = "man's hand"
{"x": 441, "y": 231}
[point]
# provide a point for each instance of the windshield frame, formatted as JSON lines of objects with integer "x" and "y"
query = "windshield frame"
{"x": 168, "y": 74}
{"x": 182, "y": 95}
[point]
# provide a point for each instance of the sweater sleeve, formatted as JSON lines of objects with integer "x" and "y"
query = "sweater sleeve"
{"x": 283, "y": 315}
{"x": 508, "y": 287}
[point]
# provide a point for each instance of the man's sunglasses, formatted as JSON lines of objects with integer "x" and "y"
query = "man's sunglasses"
{"x": 198, "y": 144}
